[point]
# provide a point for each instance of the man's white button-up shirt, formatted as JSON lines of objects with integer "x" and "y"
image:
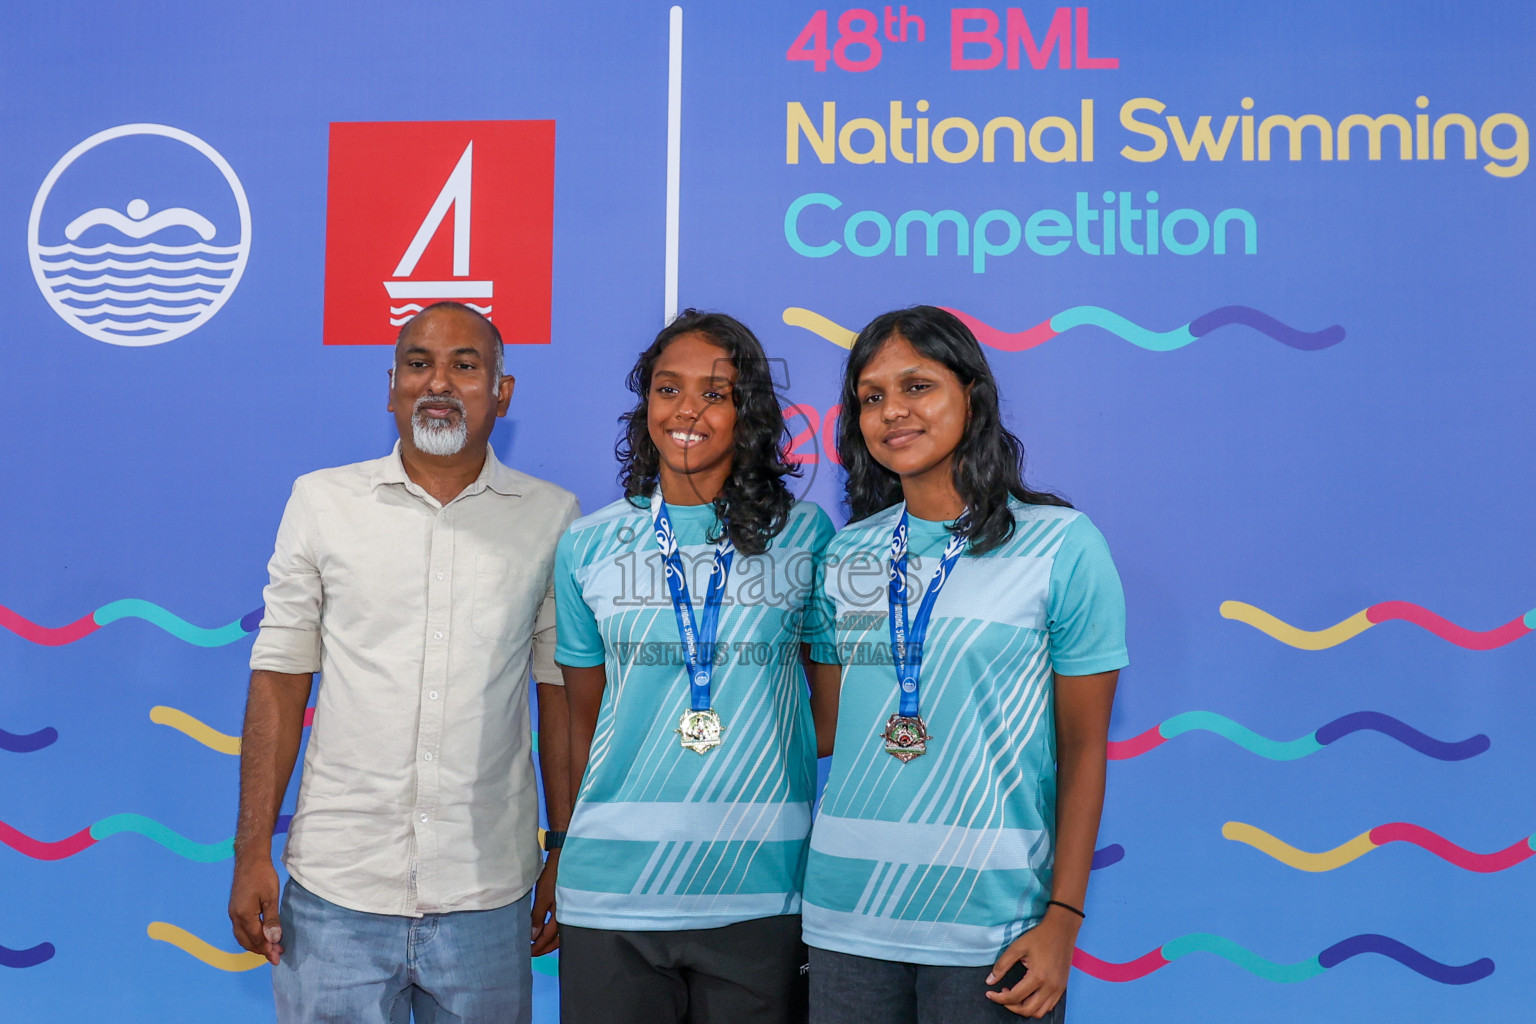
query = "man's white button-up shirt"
{"x": 418, "y": 792}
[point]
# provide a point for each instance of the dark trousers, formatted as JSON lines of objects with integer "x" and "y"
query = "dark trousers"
{"x": 847, "y": 989}
{"x": 747, "y": 973}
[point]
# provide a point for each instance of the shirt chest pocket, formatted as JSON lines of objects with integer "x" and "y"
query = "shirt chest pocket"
{"x": 503, "y": 605}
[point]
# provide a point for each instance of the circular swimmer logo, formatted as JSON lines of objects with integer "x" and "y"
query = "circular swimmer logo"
{"x": 134, "y": 239}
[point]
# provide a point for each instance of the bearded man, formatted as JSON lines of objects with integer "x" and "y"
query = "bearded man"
{"x": 419, "y": 586}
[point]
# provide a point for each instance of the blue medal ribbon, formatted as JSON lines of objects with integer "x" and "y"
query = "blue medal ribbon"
{"x": 907, "y": 640}
{"x": 698, "y": 639}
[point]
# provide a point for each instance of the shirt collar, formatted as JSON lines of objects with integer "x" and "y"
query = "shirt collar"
{"x": 498, "y": 477}
{"x": 493, "y": 475}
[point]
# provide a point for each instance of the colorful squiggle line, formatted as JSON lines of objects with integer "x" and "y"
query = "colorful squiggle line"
{"x": 30, "y": 957}
{"x": 1386, "y": 611}
{"x": 204, "y": 733}
{"x": 1445, "y": 974}
{"x": 1291, "y": 750}
{"x": 1097, "y": 316}
{"x": 208, "y": 853}
{"x": 18, "y": 743}
{"x": 130, "y": 608}
{"x": 1375, "y": 839}
{"x": 1107, "y": 856}
{"x": 202, "y": 853}
{"x": 213, "y": 956}
{"x": 235, "y": 963}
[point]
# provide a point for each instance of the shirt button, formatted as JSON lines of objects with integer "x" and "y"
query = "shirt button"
{"x": 425, "y": 817}
{"x": 432, "y": 695}
{"x": 427, "y": 756}
{"x": 439, "y": 575}
{"x": 438, "y": 635}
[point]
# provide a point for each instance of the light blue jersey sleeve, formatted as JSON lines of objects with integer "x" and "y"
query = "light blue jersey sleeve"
{"x": 577, "y": 640}
{"x": 1086, "y": 604}
{"x": 819, "y": 611}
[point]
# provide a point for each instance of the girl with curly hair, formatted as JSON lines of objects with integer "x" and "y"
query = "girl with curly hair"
{"x": 682, "y": 631}
{"x": 951, "y": 853}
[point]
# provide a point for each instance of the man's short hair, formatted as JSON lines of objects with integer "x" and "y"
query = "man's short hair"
{"x": 498, "y": 349}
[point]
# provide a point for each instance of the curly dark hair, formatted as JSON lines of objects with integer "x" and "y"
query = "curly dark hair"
{"x": 754, "y": 504}
{"x": 989, "y": 461}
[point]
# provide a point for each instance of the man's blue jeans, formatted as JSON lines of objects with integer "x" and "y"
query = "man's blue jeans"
{"x": 467, "y": 967}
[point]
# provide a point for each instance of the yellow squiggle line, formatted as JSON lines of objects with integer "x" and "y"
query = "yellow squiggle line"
{"x": 1302, "y": 860}
{"x": 210, "y": 955}
{"x": 203, "y": 733}
{"x": 836, "y": 333}
{"x": 1307, "y": 640}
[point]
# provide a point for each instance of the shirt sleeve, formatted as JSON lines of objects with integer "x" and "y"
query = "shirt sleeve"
{"x": 579, "y": 643}
{"x": 1086, "y": 605}
{"x": 546, "y": 625}
{"x": 288, "y": 639}
{"x": 820, "y": 613}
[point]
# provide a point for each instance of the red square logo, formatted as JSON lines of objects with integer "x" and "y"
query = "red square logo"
{"x": 419, "y": 211}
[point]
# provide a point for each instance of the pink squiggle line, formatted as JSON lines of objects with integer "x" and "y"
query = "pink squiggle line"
{"x": 1418, "y": 835}
{"x": 1445, "y": 629}
{"x": 1004, "y": 341}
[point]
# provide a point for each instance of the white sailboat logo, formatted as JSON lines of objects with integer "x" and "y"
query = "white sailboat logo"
{"x": 113, "y": 281}
{"x": 456, "y": 195}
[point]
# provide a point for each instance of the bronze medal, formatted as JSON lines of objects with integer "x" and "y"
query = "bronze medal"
{"x": 906, "y": 737}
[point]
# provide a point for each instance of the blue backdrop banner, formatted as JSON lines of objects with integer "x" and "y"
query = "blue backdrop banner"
{"x": 1255, "y": 280}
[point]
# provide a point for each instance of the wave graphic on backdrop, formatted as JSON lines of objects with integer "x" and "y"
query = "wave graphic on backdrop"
{"x": 1375, "y": 615}
{"x": 213, "y": 956}
{"x": 204, "y": 733}
{"x": 1200, "y": 942}
{"x": 136, "y": 290}
{"x": 1375, "y": 839}
{"x": 28, "y": 742}
{"x": 1097, "y": 316}
{"x": 401, "y": 315}
{"x": 106, "y": 828}
{"x": 136, "y": 277}
{"x": 29, "y": 957}
{"x": 1291, "y": 750}
{"x": 131, "y": 608}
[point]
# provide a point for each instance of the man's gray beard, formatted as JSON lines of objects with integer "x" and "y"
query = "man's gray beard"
{"x": 432, "y": 437}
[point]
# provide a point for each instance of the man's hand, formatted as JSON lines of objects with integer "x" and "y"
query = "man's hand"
{"x": 546, "y": 930}
{"x": 253, "y": 908}
{"x": 269, "y": 745}
{"x": 1046, "y": 953}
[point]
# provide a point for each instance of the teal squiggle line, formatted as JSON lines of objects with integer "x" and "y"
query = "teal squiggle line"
{"x": 202, "y": 853}
{"x": 1097, "y": 316}
{"x": 1210, "y": 721}
{"x": 181, "y": 629}
{"x": 1203, "y": 942}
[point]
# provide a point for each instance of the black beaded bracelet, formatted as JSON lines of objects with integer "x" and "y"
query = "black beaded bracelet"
{"x": 1067, "y": 906}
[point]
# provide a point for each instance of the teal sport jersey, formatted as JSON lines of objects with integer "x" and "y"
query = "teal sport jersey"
{"x": 947, "y": 859}
{"x": 664, "y": 838}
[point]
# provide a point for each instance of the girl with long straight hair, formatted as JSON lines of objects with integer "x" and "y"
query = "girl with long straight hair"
{"x": 681, "y": 633}
{"x": 950, "y": 857}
